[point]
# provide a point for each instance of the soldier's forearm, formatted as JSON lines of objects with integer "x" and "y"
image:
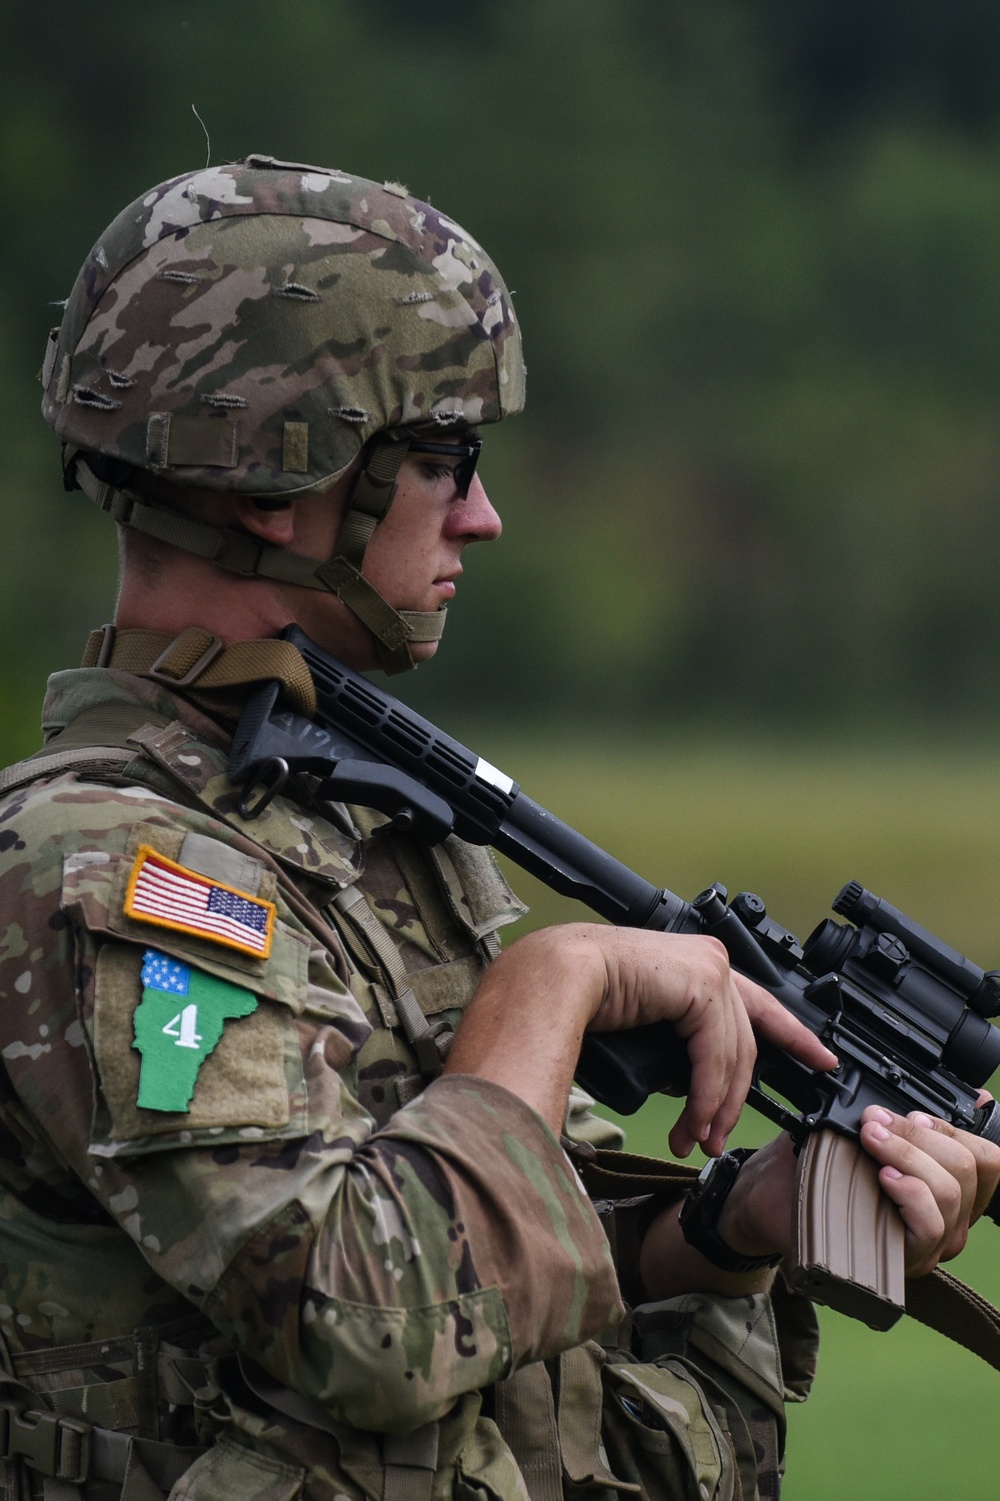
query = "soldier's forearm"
{"x": 755, "y": 1220}
{"x": 669, "y": 1266}
{"x": 524, "y": 1026}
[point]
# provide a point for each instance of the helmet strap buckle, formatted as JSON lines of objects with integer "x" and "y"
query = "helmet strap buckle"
{"x": 164, "y": 669}
{"x": 105, "y": 645}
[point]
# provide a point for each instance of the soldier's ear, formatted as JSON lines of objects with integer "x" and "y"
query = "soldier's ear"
{"x": 273, "y": 520}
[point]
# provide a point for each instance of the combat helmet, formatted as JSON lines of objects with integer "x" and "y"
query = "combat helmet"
{"x": 253, "y": 327}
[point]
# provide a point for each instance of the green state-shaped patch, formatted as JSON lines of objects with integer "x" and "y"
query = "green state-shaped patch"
{"x": 177, "y": 1024}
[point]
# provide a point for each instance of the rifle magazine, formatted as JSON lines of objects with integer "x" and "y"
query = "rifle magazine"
{"x": 850, "y": 1237}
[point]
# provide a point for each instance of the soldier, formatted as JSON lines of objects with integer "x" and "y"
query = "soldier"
{"x": 284, "y": 1205}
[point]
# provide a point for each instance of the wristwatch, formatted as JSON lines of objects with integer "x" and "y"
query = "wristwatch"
{"x": 699, "y": 1216}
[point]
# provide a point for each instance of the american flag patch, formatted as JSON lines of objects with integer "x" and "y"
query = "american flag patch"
{"x": 171, "y": 896}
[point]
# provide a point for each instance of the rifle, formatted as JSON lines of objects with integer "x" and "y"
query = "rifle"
{"x": 906, "y": 1014}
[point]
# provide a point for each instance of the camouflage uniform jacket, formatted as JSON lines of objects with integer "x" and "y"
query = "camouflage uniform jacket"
{"x": 212, "y": 1121}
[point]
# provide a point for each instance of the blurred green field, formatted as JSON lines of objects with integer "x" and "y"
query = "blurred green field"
{"x": 899, "y": 1415}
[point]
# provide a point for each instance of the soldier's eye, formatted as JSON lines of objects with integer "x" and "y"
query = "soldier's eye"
{"x": 439, "y": 471}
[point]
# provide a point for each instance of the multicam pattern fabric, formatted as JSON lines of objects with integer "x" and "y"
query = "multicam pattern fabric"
{"x": 388, "y": 1262}
{"x": 251, "y": 326}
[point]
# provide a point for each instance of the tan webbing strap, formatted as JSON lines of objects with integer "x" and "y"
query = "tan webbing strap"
{"x": 145, "y": 1468}
{"x": 111, "y": 1404}
{"x": 138, "y": 651}
{"x": 624, "y": 1175}
{"x": 524, "y": 1411}
{"x": 410, "y": 1462}
{"x": 36, "y": 768}
{"x": 944, "y": 1303}
{"x": 197, "y": 661}
{"x": 429, "y": 1043}
{"x": 80, "y": 1441}
{"x": 62, "y": 1490}
{"x": 68, "y": 1451}
{"x": 239, "y": 552}
{"x": 581, "y": 1398}
{"x": 371, "y": 498}
{"x": 355, "y": 535}
{"x": 939, "y": 1301}
{"x": 300, "y": 1409}
{"x": 424, "y": 625}
{"x": 364, "y": 600}
{"x": 393, "y": 629}
{"x": 352, "y": 902}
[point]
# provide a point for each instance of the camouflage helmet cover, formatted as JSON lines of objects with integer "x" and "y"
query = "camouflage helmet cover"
{"x": 249, "y": 327}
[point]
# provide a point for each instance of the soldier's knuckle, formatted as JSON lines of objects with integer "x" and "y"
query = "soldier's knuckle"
{"x": 949, "y": 1196}
{"x": 714, "y": 968}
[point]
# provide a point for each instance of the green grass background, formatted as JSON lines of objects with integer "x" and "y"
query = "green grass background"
{"x": 900, "y": 1415}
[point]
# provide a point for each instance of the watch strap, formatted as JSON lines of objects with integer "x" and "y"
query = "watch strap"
{"x": 699, "y": 1216}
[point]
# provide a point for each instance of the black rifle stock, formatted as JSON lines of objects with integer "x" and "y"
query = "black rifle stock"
{"x": 906, "y": 1014}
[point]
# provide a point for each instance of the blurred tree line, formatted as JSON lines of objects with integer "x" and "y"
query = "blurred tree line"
{"x": 754, "y": 250}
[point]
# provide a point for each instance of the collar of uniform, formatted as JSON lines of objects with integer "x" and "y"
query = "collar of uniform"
{"x": 71, "y": 693}
{"x": 194, "y": 751}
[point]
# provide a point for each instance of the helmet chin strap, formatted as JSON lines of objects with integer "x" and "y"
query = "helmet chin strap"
{"x": 370, "y": 499}
{"x": 395, "y": 631}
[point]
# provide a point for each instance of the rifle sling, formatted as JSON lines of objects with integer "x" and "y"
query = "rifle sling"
{"x": 939, "y": 1301}
{"x": 958, "y": 1312}
{"x": 195, "y": 663}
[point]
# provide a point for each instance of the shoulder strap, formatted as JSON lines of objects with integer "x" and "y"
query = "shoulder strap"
{"x": 429, "y": 1042}
{"x": 95, "y": 742}
{"x": 23, "y": 773}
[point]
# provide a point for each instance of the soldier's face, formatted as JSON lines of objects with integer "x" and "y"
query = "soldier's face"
{"x": 414, "y": 558}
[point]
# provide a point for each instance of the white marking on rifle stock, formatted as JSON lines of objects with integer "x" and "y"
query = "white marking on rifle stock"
{"x": 487, "y": 773}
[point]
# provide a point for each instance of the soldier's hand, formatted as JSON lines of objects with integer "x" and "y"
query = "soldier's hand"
{"x": 524, "y": 1026}
{"x": 687, "y": 980}
{"x": 940, "y": 1177}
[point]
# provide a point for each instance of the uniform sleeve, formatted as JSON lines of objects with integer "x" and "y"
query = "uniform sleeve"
{"x": 383, "y": 1273}
{"x": 584, "y": 1125}
{"x": 455, "y": 1246}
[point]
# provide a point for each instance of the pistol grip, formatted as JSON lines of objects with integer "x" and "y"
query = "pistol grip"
{"x": 850, "y": 1237}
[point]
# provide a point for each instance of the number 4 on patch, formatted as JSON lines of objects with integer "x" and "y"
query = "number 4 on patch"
{"x": 173, "y": 1051}
{"x": 183, "y": 1027}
